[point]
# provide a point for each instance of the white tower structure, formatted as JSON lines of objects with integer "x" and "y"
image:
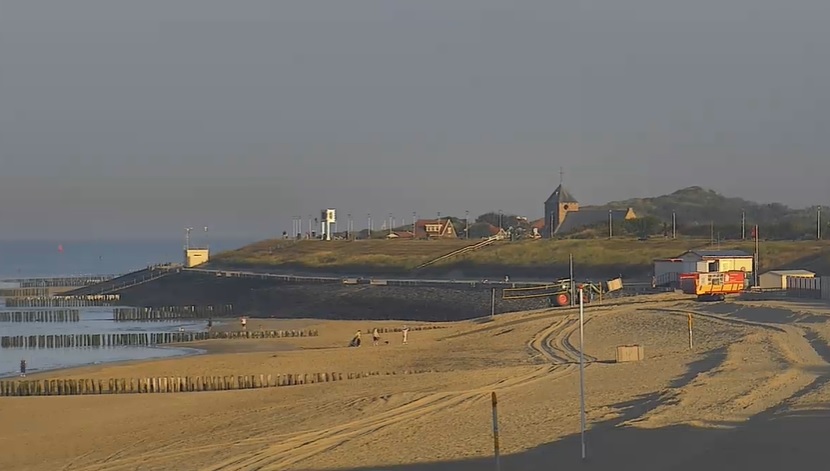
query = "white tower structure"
{"x": 328, "y": 218}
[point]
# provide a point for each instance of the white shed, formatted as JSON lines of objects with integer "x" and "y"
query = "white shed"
{"x": 777, "y": 279}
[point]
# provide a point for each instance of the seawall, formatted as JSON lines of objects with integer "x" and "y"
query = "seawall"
{"x": 268, "y": 298}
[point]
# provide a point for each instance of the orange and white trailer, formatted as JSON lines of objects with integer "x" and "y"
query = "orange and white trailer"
{"x": 713, "y": 286}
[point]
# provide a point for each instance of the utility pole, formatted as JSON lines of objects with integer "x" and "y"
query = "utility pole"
{"x": 467, "y": 224}
{"x": 712, "y": 233}
{"x": 369, "y": 226}
{"x": 610, "y": 224}
{"x": 414, "y": 222}
{"x": 756, "y": 268}
{"x": 573, "y": 285}
{"x": 818, "y": 224}
{"x": 673, "y": 225}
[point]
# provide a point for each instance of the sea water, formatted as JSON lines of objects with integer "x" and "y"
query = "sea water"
{"x": 42, "y": 259}
{"x": 93, "y": 321}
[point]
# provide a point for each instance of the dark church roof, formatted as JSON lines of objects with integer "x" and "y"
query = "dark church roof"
{"x": 589, "y": 217}
{"x": 561, "y": 195}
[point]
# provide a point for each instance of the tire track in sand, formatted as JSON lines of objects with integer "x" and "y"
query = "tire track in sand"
{"x": 295, "y": 447}
{"x": 550, "y": 342}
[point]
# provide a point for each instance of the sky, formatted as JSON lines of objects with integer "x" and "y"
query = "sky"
{"x": 121, "y": 118}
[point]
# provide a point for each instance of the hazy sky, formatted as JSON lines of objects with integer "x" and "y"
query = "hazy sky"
{"x": 125, "y": 117}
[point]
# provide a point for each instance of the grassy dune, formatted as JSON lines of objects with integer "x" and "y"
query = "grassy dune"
{"x": 521, "y": 257}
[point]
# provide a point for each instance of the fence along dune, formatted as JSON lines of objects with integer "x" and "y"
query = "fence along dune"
{"x": 176, "y": 384}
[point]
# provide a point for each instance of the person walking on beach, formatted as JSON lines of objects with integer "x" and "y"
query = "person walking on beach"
{"x": 22, "y": 368}
{"x": 375, "y": 337}
{"x": 355, "y": 340}
{"x": 244, "y": 322}
{"x": 405, "y": 332}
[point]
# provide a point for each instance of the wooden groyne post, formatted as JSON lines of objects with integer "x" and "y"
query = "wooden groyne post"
{"x": 140, "y": 338}
{"x": 43, "y": 315}
{"x": 63, "y": 301}
{"x": 177, "y": 384}
{"x": 171, "y": 312}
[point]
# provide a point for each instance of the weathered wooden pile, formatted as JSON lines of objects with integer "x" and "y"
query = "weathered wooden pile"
{"x": 19, "y": 292}
{"x": 264, "y": 334}
{"x": 139, "y": 338}
{"x": 72, "y": 387}
{"x": 387, "y": 330}
{"x": 171, "y": 312}
{"x": 63, "y": 301}
{"x": 43, "y": 315}
{"x": 61, "y": 282}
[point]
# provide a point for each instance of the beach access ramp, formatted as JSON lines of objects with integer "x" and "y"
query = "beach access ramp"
{"x": 120, "y": 283}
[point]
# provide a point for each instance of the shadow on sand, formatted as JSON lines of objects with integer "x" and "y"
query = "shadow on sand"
{"x": 769, "y": 442}
{"x": 770, "y": 315}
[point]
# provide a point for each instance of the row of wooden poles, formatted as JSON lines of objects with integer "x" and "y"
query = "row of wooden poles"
{"x": 63, "y": 282}
{"x": 11, "y": 292}
{"x": 139, "y": 339}
{"x": 171, "y": 312}
{"x": 63, "y": 301}
{"x": 72, "y": 387}
{"x": 388, "y": 330}
{"x": 44, "y": 315}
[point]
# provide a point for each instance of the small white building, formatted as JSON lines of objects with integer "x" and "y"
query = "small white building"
{"x": 667, "y": 271}
{"x": 777, "y": 279}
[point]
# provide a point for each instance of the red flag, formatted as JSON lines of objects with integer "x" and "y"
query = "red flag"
{"x": 60, "y": 248}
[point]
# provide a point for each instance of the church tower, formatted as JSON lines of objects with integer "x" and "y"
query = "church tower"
{"x": 557, "y": 206}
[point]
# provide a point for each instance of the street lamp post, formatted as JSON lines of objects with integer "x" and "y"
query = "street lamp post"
{"x": 467, "y": 224}
{"x": 349, "y": 227}
{"x": 673, "y": 225}
{"x": 610, "y": 224}
{"x": 369, "y": 226}
{"x": 818, "y": 223}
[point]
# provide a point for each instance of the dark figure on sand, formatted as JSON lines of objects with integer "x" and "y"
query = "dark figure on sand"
{"x": 22, "y": 367}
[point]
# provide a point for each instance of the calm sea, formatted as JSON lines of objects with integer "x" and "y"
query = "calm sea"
{"x": 55, "y": 258}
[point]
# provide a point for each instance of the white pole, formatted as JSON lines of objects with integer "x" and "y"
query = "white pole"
{"x": 582, "y": 371}
{"x": 493, "y": 303}
{"x": 673, "y": 225}
{"x": 691, "y": 344}
{"x": 571, "y": 291}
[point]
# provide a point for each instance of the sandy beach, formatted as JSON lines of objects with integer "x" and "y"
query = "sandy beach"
{"x": 752, "y": 393}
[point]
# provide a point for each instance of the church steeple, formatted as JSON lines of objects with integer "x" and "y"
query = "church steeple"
{"x": 558, "y": 204}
